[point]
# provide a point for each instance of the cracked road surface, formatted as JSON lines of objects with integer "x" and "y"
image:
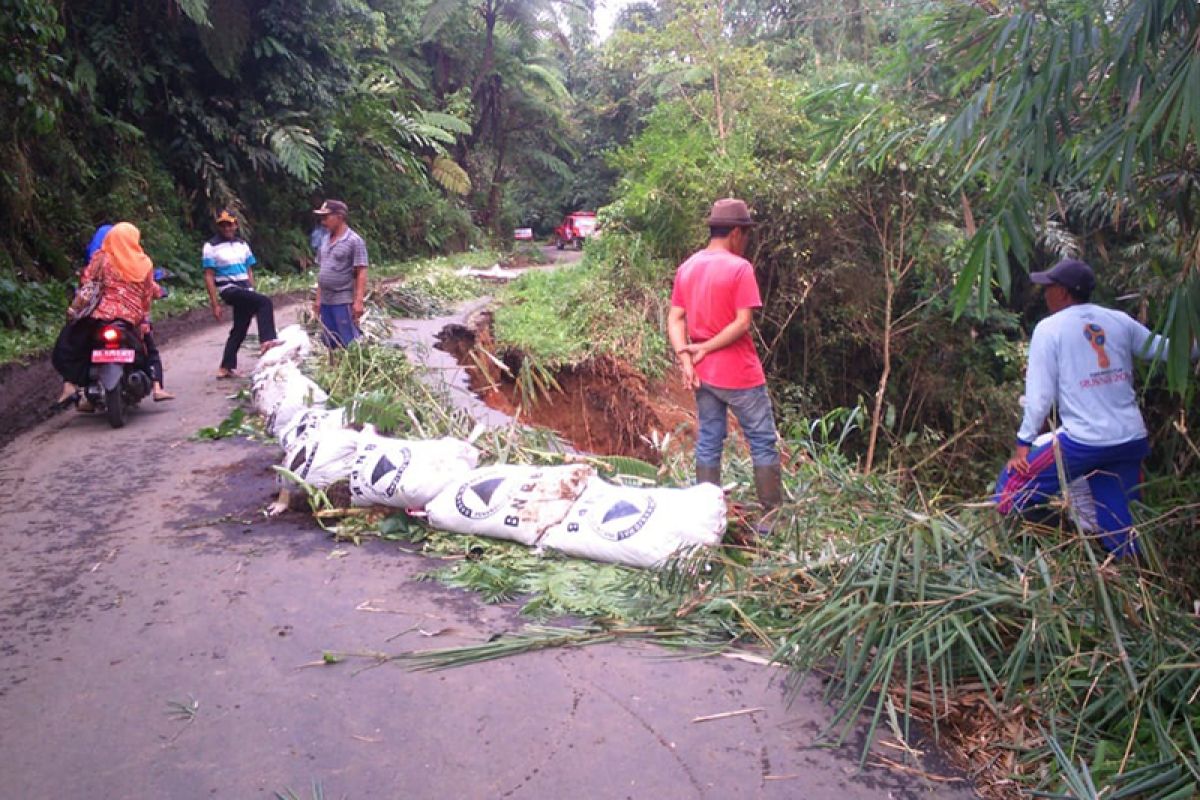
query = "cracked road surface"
{"x": 138, "y": 573}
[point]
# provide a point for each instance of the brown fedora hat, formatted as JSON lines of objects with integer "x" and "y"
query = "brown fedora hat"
{"x": 730, "y": 213}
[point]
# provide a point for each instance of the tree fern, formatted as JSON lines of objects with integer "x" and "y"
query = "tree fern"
{"x": 437, "y": 15}
{"x": 449, "y": 175}
{"x": 541, "y": 76}
{"x": 549, "y": 162}
{"x": 297, "y": 153}
{"x": 196, "y": 11}
{"x": 447, "y": 122}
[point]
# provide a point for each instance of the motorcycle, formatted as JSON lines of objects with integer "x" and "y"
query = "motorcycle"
{"x": 120, "y": 373}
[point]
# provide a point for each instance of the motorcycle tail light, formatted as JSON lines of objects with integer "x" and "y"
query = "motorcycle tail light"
{"x": 111, "y": 337}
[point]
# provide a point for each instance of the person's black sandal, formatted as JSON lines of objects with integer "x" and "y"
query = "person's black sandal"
{"x": 64, "y": 403}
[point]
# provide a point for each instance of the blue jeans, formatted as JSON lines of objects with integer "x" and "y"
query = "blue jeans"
{"x": 1113, "y": 474}
{"x": 752, "y": 407}
{"x": 337, "y": 325}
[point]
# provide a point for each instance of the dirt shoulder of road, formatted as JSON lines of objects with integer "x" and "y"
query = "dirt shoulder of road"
{"x": 29, "y": 386}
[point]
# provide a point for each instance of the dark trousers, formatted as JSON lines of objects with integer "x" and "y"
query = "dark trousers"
{"x": 247, "y": 305}
{"x": 72, "y": 355}
{"x": 153, "y": 359}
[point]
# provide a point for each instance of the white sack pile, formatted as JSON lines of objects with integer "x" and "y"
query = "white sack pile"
{"x": 407, "y": 474}
{"x": 509, "y": 502}
{"x": 294, "y": 346}
{"x": 639, "y": 527}
{"x": 308, "y": 422}
{"x": 280, "y": 393}
{"x": 323, "y": 457}
{"x": 565, "y": 508}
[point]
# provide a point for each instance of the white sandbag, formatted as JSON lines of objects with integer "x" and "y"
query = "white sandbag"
{"x": 407, "y": 474}
{"x": 294, "y": 346}
{"x": 282, "y": 392}
{"x": 509, "y": 502}
{"x": 324, "y": 457}
{"x": 639, "y": 527}
{"x": 307, "y": 422}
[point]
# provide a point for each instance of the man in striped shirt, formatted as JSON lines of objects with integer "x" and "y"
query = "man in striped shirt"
{"x": 229, "y": 275}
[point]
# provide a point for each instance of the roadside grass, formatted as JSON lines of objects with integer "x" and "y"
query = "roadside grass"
{"x": 431, "y": 282}
{"x": 565, "y": 317}
{"x": 1039, "y": 665}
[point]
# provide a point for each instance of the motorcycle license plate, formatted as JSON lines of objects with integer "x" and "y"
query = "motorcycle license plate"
{"x": 122, "y": 356}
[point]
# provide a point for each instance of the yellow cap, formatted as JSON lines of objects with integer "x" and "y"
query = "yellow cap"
{"x": 225, "y": 216}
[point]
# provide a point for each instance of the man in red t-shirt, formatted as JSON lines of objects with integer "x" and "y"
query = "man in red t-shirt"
{"x": 712, "y": 307}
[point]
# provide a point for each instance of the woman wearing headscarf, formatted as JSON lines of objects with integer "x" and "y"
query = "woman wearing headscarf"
{"x": 123, "y": 276}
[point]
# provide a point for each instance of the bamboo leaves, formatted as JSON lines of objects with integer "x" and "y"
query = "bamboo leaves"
{"x": 1079, "y": 95}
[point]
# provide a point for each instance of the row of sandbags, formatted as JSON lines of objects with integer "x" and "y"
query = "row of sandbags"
{"x": 569, "y": 509}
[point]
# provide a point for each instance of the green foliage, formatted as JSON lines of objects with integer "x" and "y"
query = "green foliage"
{"x": 502, "y": 571}
{"x": 30, "y": 71}
{"x": 565, "y": 317}
{"x": 548, "y": 316}
{"x": 1075, "y": 97}
{"x": 162, "y": 115}
{"x": 918, "y": 609}
{"x": 236, "y": 424}
{"x": 433, "y": 287}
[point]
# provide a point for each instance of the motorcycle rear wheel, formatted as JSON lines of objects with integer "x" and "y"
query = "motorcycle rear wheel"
{"x": 114, "y": 407}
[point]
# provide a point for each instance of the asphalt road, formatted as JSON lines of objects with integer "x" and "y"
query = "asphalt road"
{"x": 139, "y": 573}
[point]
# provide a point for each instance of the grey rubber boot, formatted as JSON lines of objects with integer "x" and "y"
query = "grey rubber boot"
{"x": 708, "y": 475}
{"x": 768, "y": 485}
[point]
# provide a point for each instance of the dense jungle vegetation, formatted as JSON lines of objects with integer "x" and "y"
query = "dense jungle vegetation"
{"x": 910, "y": 162}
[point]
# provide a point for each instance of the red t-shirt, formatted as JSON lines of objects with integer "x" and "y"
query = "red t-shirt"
{"x": 710, "y": 287}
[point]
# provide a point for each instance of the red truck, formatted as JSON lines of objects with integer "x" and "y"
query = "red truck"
{"x": 575, "y": 227}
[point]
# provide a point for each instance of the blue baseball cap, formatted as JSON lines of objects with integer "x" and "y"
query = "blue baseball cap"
{"x": 1070, "y": 273}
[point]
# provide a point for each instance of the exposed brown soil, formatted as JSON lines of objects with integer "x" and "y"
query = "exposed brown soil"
{"x": 604, "y": 407}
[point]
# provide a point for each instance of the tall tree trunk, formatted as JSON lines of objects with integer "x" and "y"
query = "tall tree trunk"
{"x": 499, "y": 147}
{"x": 857, "y": 28}
{"x": 487, "y": 92}
{"x": 892, "y": 228}
{"x": 885, "y": 375}
{"x": 490, "y": 12}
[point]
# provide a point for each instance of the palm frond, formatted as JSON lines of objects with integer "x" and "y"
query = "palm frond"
{"x": 297, "y": 153}
{"x": 436, "y": 16}
{"x": 447, "y": 122}
{"x": 543, "y": 77}
{"x": 449, "y": 175}
{"x": 196, "y": 11}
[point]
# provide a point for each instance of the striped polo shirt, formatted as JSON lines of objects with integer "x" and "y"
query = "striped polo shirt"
{"x": 230, "y": 260}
